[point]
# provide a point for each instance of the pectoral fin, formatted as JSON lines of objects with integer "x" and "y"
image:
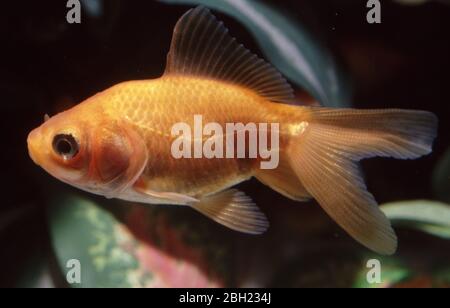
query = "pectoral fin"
{"x": 233, "y": 209}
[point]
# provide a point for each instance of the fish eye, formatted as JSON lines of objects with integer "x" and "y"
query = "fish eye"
{"x": 65, "y": 145}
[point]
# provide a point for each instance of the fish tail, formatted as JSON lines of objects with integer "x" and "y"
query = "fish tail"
{"x": 325, "y": 153}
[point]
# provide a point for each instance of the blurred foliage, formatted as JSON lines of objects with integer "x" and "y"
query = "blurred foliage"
{"x": 420, "y": 2}
{"x": 289, "y": 46}
{"x": 441, "y": 177}
{"x": 161, "y": 246}
{"x": 36, "y": 273}
{"x": 428, "y": 216}
{"x": 393, "y": 271}
{"x": 402, "y": 272}
{"x": 148, "y": 251}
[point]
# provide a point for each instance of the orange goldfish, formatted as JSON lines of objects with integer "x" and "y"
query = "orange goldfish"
{"x": 120, "y": 142}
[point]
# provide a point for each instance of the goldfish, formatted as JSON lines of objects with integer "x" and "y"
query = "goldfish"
{"x": 124, "y": 142}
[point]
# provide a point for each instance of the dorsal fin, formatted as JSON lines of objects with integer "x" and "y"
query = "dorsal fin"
{"x": 201, "y": 46}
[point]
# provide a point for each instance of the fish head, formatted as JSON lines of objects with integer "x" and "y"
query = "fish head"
{"x": 89, "y": 151}
{"x": 60, "y": 146}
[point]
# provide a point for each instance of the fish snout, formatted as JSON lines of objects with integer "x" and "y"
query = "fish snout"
{"x": 33, "y": 142}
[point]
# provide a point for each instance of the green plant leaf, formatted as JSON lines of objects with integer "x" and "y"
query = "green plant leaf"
{"x": 288, "y": 46}
{"x": 441, "y": 178}
{"x": 36, "y": 273}
{"x": 393, "y": 271}
{"x": 439, "y": 231}
{"x": 428, "y": 216}
{"x": 111, "y": 255}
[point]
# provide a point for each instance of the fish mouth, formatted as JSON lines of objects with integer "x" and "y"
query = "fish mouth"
{"x": 33, "y": 146}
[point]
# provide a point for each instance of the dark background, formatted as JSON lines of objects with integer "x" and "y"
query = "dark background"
{"x": 48, "y": 65}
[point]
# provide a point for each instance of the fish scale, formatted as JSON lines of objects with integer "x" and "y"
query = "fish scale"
{"x": 178, "y": 99}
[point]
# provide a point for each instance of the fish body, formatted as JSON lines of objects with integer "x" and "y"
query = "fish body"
{"x": 151, "y": 107}
{"x": 120, "y": 142}
{"x": 154, "y": 106}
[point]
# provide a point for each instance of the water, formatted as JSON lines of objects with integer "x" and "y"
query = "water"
{"x": 49, "y": 65}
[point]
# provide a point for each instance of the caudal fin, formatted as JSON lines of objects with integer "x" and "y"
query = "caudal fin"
{"x": 324, "y": 157}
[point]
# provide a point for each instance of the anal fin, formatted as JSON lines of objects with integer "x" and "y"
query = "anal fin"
{"x": 284, "y": 180}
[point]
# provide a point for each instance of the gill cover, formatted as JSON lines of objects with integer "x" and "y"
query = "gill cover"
{"x": 119, "y": 155}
